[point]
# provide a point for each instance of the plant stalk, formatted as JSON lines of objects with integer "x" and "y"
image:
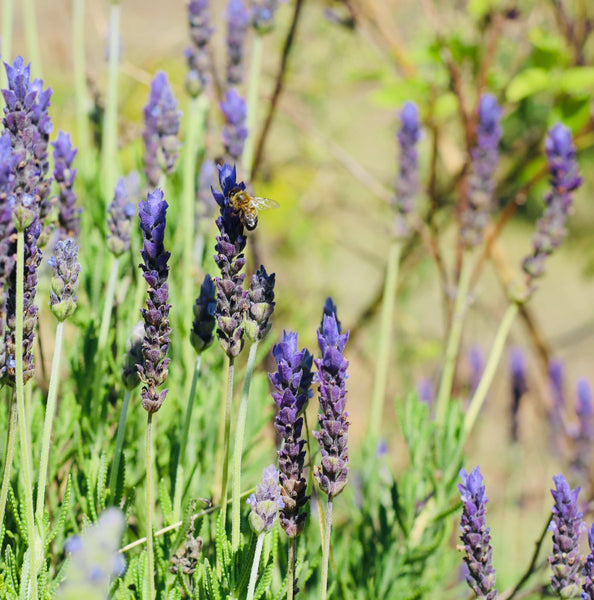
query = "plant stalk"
{"x": 10, "y": 444}
{"x": 252, "y": 103}
{"x": 291, "y": 569}
{"x": 226, "y": 436}
{"x": 326, "y": 551}
{"x": 150, "y": 577}
{"x": 255, "y": 565}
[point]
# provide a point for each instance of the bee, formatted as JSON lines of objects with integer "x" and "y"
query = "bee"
{"x": 247, "y": 207}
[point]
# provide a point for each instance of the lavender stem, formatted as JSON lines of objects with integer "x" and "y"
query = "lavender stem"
{"x": 228, "y": 402}
{"x": 291, "y": 569}
{"x": 10, "y": 444}
{"x": 150, "y": 576}
{"x": 326, "y": 551}
{"x": 255, "y": 565}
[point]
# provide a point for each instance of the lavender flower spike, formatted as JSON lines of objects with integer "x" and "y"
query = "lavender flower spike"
{"x": 476, "y": 536}
{"x": 203, "y": 325}
{"x": 333, "y": 435}
{"x": 261, "y": 305}
{"x": 197, "y": 54}
{"x": 517, "y": 364}
{"x": 120, "y": 212}
{"x": 238, "y": 20}
{"x": 292, "y": 390}
{"x": 485, "y": 156}
{"x": 564, "y": 179}
{"x": 407, "y": 182}
{"x": 585, "y": 434}
{"x": 231, "y": 297}
{"x": 64, "y": 285}
{"x": 265, "y": 502}
{"x": 153, "y": 370}
{"x": 588, "y": 571}
{"x": 161, "y": 126}
{"x": 234, "y": 131}
{"x": 566, "y": 526}
{"x": 262, "y": 14}
{"x": 64, "y": 175}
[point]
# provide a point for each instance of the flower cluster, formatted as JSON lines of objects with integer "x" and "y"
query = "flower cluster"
{"x": 197, "y": 54}
{"x": 265, "y": 502}
{"x": 261, "y": 304}
{"x": 153, "y": 370}
{"x": 203, "y": 325}
{"x": 262, "y": 14}
{"x": 476, "y": 536}
{"x": 238, "y": 20}
{"x": 133, "y": 357}
{"x": 64, "y": 285}
{"x": 234, "y": 131}
{"x": 292, "y": 390}
{"x": 588, "y": 571}
{"x": 64, "y": 175}
{"x": 120, "y": 212}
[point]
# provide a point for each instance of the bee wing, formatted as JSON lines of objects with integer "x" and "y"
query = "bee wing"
{"x": 261, "y": 203}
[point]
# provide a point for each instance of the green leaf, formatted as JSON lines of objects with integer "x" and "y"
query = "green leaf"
{"x": 577, "y": 80}
{"x": 527, "y": 83}
{"x": 165, "y": 500}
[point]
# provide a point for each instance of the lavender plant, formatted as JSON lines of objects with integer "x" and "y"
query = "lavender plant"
{"x": 234, "y": 131}
{"x": 238, "y": 20}
{"x": 64, "y": 176}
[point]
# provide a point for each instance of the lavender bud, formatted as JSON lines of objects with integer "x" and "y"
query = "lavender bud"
{"x": 120, "y": 213}
{"x": 426, "y": 391}
{"x": 517, "y": 364}
{"x": 161, "y": 126}
{"x": 330, "y": 311}
{"x": 566, "y": 526}
{"x": 234, "y": 131}
{"x": 588, "y": 571}
{"x": 265, "y": 502}
{"x": 485, "y": 156}
{"x": 238, "y": 20}
{"x": 262, "y": 15}
{"x": 201, "y": 335}
{"x": 133, "y": 357}
{"x": 261, "y": 305}
{"x": 333, "y": 435}
{"x": 153, "y": 370}
{"x": 197, "y": 54}
{"x": 407, "y": 182}
{"x": 476, "y": 536}
{"x": 64, "y": 285}
{"x": 292, "y": 390}
{"x": 231, "y": 297}
{"x": 64, "y": 175}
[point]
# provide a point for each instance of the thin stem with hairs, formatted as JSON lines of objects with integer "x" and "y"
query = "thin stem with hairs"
{"x": 10, "y": 444}
{"x": 228, "y": 402}
{"x": 150, "y": 576}
{"x": 326, "y": 551}
{"x": 255, "y": 565}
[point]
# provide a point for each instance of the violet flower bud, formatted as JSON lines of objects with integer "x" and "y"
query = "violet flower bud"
{"x": 485, "y": 156}
{"x": 64, "y": 175}
{"x": 153, "y": 369}
{"x": 333, "y": 435}
{"x": 120, "y": 213}
{"x": 133, "y": 357}
{"x": 476, "y": 536}
{"x": 64, "y": 284}
{"x": 265, "y": 502}
{"x": 407, "y": 182}
{"x": 564, "y": 179}
{"x": 588, "y": 571}
{"x": 330, "y": 311}
{"x": 566, "y": 526}
{"x": 519, "y": 387}
{"x": 161, "y": 126}
{"x": 238, "y": 20}
{"x": 292, "y": 390}
{"x": 261, "y": 305}
{"x": 231, "y": 297}
{"x": 197, "y": 54}
{"x": 585, "y": 433}
{"x": 262, "y": 15}
{"x": 203, "y": 325}
{"x": 234, "y": 131}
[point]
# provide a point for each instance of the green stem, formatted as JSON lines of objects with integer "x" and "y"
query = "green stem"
{"x": 455, "y": 335}
{"x": 117, "y": 457}
{"x": 109, "y": 141}
{"x": 326, "y": 551}
{"x": 255, "y": 565}
{"x": 150, "y": 577}
{"x": 32, "y": 37}
{"x": 291, "y": 574}
{"x": 10, "y": 443}
{"x": 227, "y": 436}
{"x": 7, "y": 27}
{"x": 50, "y": 411}
{"x": 24, "y": 425}
{"x": 385, "y": 336}
{"x": 181, "y": 459}
{"x": 483, "y": 387}
{"x": 252, "y": 104}
{"x": 238, "y": 449}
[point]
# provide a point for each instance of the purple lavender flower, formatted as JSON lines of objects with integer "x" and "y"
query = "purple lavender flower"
{"x": 234, "y": 131}
{"x": 485, "y": 156}
{"x": 333, "y": 434}
{"x": 330, "y": 311}
{"x": 588, "y": 571}
{"x": 556, "y": 384}
{"x": 161, "y": 126}
{"x": 231, "y": 297}
{"x": 153, "y": 370}
{"x": 476, "y": 536}
{"x": 566, "y": 526}
{"x": 407, "y": 182}
{"x": 476, "y": 360}
{"x": 564, "y": 179}
{"x": 262, "y": 14}
{"x": 292, "y": 390}
{"x": 238, "y": 20}
{"x": 585, "y": 433}
{"x": 120, "y": 213}
{"x": 197, "y": 54}
{"x": 133, "y": 357}
{"x": 517, "y": 365}
{"x": 201, "y": 334}
{"x": 260, "y": 297}
{"x": 64, "y": 175}
{"x": 425, "y": 390}
{"x": 64, "y": 285}
{"x": 265, "y": 502}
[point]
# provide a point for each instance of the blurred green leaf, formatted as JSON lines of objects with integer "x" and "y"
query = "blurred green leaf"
{"x": 445, "y": 106}
{"x": 527, "y": 83}
{"x": 577, "y": 80}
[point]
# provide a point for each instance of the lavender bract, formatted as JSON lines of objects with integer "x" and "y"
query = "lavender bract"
{"x": 261, "y": 304}
{"x": 234, "y": 131}
{"x": 153, "y": 370}
{"x": 161, "y": 126}
{"x": 292, "y": 390}
{"x": 64, "y": 285}
{"x": 203, "y": 325}
{"x": 120, "y": 213}
{"x": 197, "y": 54}
{"x": 238, "y": 20}
{"x": 265, "y": 502}
{"x": 476, "y": 536}
{"x": 333, "y": 435}
{"x": 64, "y": 175}
{"x": 566, "y": 526}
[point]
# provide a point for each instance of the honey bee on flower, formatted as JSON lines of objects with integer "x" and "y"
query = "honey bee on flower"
{"x": 247, "y": 206}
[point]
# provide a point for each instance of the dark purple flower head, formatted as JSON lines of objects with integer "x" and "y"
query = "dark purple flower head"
{"x": 566, "y": 526}
{"x": 261, "y": 304}
{"x": 231, "y": 297}
{"x": 517, "y": 366}
{"x": 238, "y": 20}
{"x": 153, "y": 370}
{"x": 564, "y": 179}
{"x": 262, "y": 14}
{"x": 292, "y": 390}
{"x": 64, "y": 285}
{"x": 64, "y": 175}
{"x": 333, "y": 435}
{"x": 485, "y": 156}
{"x": 161, "y": 126}
{"x": 588, "y": 571}
{"x": 265, "y": 502}
{"x": 120, "y": 213}
{"x": 407, "y": 181}
{"x": 476, "y": 536}
{"x": 197, "y": 54}
{"x": 203, "y": 325}
{"x": 330, "y": 310}
{"x": 234, "y": 131}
